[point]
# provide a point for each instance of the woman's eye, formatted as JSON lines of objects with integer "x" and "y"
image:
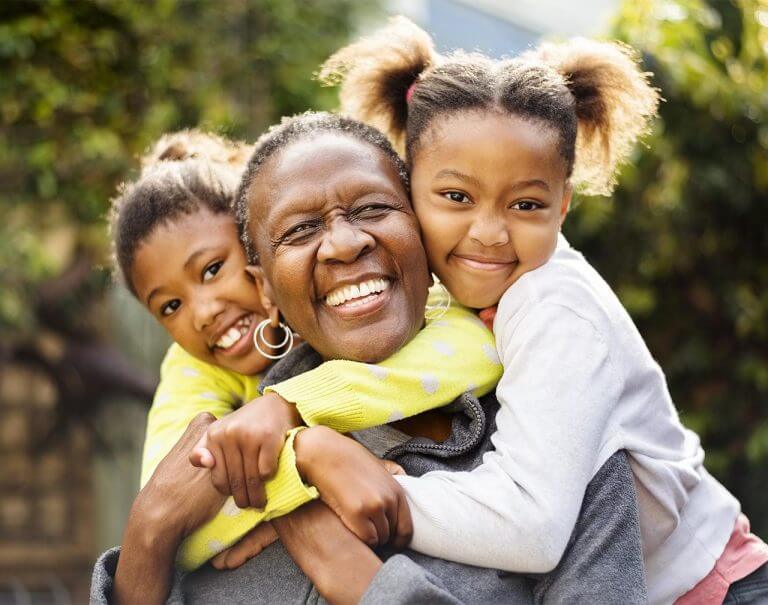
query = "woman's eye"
{"x": 456, "y": 196}
{"x": 170, "y": 307}
{"x": 212, "y": 270}
{"x": 371, "y": 210}
{"x": 525, "y": 205}
{"x": 297, "y": 232}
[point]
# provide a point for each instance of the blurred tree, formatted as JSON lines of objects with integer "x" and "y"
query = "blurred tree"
{"x": 87, "y": 86}
{"x": 684, "y": 239}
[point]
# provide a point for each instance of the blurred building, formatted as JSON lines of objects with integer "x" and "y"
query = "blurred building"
{"x": 504, "y": 27}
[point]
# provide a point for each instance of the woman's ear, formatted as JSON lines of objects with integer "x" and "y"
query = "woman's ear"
{"x": 566, "y": 203}
{"x": 266, "y": 297}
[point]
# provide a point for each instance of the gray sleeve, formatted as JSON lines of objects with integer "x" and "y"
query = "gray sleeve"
{"x": 603, "y": 562}
{"x": 400, "y": 580}
{"x": 104, "y": 577}
{"x": 103, "y": 580}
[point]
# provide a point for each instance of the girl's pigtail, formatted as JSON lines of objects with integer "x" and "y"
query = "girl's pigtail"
{"x": 377, "y": 74}
{"x": 195, "y": 144}
{"x": 614, "y": 106}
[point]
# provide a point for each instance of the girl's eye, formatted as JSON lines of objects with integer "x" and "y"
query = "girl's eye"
{"x": 212, "y": 270}
{"x": 525, "y": 205}
{"x": 456, "y": 196}
{"x": 170, "y": 307}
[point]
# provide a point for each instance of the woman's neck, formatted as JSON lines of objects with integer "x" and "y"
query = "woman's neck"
{"x": 433, "y": 425}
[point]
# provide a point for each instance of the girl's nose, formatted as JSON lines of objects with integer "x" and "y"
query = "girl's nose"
{"x": 344, "y": 242}
{"x": 205, "y": 312}
{"x": 489, "y": 230}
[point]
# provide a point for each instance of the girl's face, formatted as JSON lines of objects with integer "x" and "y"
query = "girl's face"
{"x": 190, "y": 274}
{"x": 491, "y": 193}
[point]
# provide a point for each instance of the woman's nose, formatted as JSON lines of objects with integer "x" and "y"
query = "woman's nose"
{"x": 344, "y": 242}
{"x": 489, "y": 230}
{"x": 205, "y": 312}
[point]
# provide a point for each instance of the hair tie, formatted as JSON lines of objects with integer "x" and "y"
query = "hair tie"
{"x": 409, "y": 92}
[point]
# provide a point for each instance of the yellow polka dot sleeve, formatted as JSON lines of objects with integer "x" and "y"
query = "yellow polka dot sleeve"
{"x": 285, "y": 493}
{"x": 451, "y": 355}
{"x": 187, "y": 387}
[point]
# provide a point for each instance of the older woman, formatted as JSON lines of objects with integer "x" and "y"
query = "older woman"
{"x": 326, "y": 205}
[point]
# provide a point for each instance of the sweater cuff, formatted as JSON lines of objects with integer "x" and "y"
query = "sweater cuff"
{"x": 323, "y": 397}
{"x": 286, "y": 491}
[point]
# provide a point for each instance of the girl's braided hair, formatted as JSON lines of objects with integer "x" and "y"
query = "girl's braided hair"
{"x": 593, "y": 94}
{"x": 299, "y": 128}
{"x": 182, "y": 173}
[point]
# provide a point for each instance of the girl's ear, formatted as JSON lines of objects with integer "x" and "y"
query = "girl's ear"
{"x": 265, "y": 292}
{"x": 566, "y": 203}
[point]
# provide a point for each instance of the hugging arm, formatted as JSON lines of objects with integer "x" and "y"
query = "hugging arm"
{"x": 555, "y": 403}
{"x": 176, "y": 499}
{"x": 451, "y": 355}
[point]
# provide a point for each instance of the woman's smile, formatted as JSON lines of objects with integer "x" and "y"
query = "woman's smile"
{"x": 360, "y": 297}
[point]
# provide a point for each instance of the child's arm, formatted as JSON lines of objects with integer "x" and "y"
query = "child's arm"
{"x": 453, "y": 354}
{"x": 188, "y": 387}
{"x": 518, "y": 509}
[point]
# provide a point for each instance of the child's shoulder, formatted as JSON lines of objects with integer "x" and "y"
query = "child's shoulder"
{"x": 568, "y": 281}
{"x": 179, "y": 367}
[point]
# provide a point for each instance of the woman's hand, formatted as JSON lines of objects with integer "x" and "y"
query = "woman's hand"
{"x": 250, "y": 545}
{"x": 242, "y": 449}
{"x": 176, "y": 500}
{"x": 355, "y": 485}
{"x": 337, "y": 563}
{"x": 264, "y": 534}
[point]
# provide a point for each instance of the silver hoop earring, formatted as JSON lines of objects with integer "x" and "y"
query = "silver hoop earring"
{"x": 443, "y": 304}
{"x": 287, "y": 340}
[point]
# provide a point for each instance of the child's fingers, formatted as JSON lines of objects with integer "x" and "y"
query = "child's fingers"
{"x": 404, "y": 527}
{"x": 201, "y": 457}
{"x": 219, "y": 476}
{"x": 393, "y": 468}
{"x": 198, "y": 454}
{"x": 268, "y": 457}
{"x": 236, "y": 474}
{"x": 253, "y": 483}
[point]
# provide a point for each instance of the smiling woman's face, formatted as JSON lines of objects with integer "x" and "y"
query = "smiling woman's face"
{"x": 339, "y": 244}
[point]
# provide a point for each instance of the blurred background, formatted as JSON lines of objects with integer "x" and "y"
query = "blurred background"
{"x": 86, "y": 86}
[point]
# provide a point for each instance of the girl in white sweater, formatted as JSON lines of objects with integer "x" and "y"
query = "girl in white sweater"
{"x": 495, "y": 149}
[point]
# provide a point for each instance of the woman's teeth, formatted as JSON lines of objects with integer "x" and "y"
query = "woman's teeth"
{"x": 235, "y": 333}
{"x": 345, "y": 294}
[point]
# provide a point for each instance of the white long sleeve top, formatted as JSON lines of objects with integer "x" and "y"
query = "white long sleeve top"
{"x": 579, "y": 384}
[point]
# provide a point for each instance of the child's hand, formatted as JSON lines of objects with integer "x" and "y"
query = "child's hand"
{"x": 355, "y": 485}
{"x": 242, "y": 449}
{"x": 250, "y": 545}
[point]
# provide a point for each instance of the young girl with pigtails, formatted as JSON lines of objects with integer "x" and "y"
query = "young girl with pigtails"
{"x": 495, "y": 149}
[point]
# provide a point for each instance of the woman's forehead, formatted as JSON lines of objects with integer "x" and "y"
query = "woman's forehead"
{"x": 307, "y": 173}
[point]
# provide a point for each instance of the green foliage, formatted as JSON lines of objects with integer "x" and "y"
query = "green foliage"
{"x": 684, "y": 240}
{"x": 88, "y": 84}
